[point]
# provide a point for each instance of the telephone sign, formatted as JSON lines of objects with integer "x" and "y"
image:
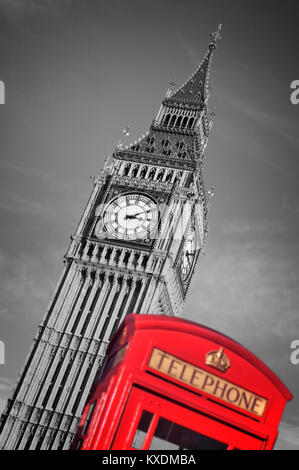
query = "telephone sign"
{"x": 171, "y": 384}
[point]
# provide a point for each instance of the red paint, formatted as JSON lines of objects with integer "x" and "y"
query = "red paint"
{"x": 179, "y": 415}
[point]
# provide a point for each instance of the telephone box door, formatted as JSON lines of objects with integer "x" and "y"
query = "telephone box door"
{"x": 155, "y": 423}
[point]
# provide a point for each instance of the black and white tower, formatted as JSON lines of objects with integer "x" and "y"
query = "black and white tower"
{"x": 135, "y": 250}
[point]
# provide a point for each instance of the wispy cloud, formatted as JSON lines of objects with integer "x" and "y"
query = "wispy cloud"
{"x": 32, "y": 17}
{"x": 6, "y": 385}
{"x": 25, "y": 287}
{"x": 15, "y": 9}
{"x": 288, "y": 437}
{"x": 21, "y": 185}
{"x": 283, "y": 127}
{"x": 247, "y": 287}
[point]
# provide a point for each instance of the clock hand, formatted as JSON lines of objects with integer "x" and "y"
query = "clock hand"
{"x": 144, "y": 212}
{"x": 135, "y": 216}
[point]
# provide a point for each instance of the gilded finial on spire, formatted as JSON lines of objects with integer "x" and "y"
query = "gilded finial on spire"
{"x": 171, "y": 87}
{"x": 173, "y": 82}
{"x": 107, "y": 164}
{"x": 126, "y": 133}
{"x": 215, "y": 36}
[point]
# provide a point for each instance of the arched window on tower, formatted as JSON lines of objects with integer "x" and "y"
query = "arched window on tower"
{"x": 143, "y": 172}
{"x": 169, "y": 176}
{"x": 126, "y": 258}
{"x": 180, "y": 145}
{"x": 185, "y": 120}
{"x": 178, "y": 177}
{"x": 144, "y": 261}
{"x": 127, "y": 169}
{"x": 172, "y": 120}
{"x": 189, "y": 180}
{"x": 151, "y": 140}
{"x": 135, "y": 147}
{"x": 135, "y": 259}
{"x": 151, "y": 174}
{"x": 160, "y": 175}
{"x": 117, "y": 256}
{"x": 135, "y": 171}
{"x": 190, "y": 123}
{"x": 178, "y": 121}
{"x": 182, "y": 155}
{"x": 166, "y": 120}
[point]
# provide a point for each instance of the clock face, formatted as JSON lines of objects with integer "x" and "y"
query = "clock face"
{"x": 131, "y": 216}
{"x": 188, "y": 256}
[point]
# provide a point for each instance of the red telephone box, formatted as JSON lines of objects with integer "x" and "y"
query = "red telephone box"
{"x": 172, "y": 384}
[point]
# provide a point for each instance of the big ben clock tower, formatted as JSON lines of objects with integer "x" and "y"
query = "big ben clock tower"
{"x": 134, "y": 250}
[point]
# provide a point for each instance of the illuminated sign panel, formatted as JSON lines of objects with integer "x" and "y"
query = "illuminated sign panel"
{"x": 209, "y": 383}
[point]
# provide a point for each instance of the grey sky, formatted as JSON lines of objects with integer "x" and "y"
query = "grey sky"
{"x": 77, "y": 72}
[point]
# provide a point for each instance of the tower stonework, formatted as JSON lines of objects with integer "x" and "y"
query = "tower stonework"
{"x": 135, "y": 250}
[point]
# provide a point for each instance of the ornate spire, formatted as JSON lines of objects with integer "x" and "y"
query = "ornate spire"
{"x": 191, "y": 96}
{"x": 215, "y": 36}
{"x": 195, "y": 90}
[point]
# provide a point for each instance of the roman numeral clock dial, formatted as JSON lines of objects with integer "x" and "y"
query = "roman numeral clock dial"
{"x": 131, "y": 217}
{"x": 188, "y": 256}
